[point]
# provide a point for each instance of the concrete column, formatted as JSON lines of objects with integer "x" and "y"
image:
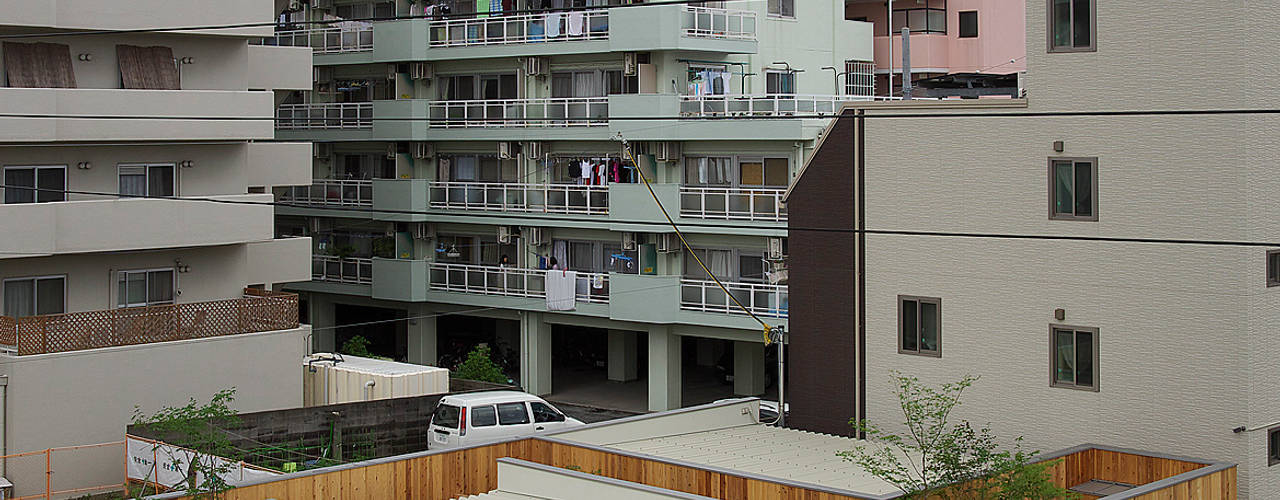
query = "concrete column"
{"x": 535, "y": 354}
{"x": 623, "y": 356}
{"x": 748, "y": 368}
{"x": 664, "y": 369}
{"x": 322, "y": 323}
{"x": 423, "y": 343}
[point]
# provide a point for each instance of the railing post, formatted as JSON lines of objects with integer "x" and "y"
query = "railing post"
{"x": 48, "y": 473}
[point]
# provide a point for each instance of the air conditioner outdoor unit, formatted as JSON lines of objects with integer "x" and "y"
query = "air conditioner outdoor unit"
{"x": 667, "y": 151}
{"x": 628, "y": 241}
{"x": 321, "y": 4}
{"x": 392, "y": 71}
{"x": 505, "y": 150}
{"x": 424, "y": 150}
{"x": 391, "y": 151}
{"x": 424, "y": 231}
{"x": 533, "y": 150}
{"x": 504, "y": 235}
{"x": 422, "y": 71}
{"x": 390, "y": 229}
{"x": 775, "y": 249}
{"x": 629, "y": 63}
{"x": 668, "y": 243}
{"x": 321, "y": 149}
{"x": 536, "y": 66}
{"x": 537, "y": 236}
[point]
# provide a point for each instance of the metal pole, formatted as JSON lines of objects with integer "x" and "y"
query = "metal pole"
{"x": 888, "y": 30}
{"x": 48, "y": 474}
{"x": 782, "y": 376}
{"x": 906, "y": 63}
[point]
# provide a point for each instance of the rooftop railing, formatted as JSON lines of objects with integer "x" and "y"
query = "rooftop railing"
{"x": 511, "y": 282}
{"x": 761, "y": 298}
{"x": 549, "y": 27}
{"x": 334, "y": 269}
{"x": 521, "y": 198}
{"x": 536, "y": 112}
{"x": 324, "y": 116}
{"x": 764, "y": 105}
{"x": 256, "y": 311}
{"x": 334, "y": 193}
{"x": 723, "y": 24}
{"x": 333, "y": 40}
{"x": 733, "y": 203}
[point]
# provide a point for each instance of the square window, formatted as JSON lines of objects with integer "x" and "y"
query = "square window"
{"x": 969, "y": 24}
{"x": 1073, "y": 189}
{"x": 1273, "y": 268}
{"x": 34, "y": 296}
{"x": 1273, "y": 446}
{"x": 1072, "y": 26}
{"x": 35, "y": 184}
{"x": 920, "y": 326}
{"x": 1074, "y": 357}
{"x": 783, "y": 8}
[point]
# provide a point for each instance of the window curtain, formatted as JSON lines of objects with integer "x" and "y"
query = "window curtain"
{"x": 159, "y": 287}
{"x": 19, "y": 298}
{"x": 133, "y": 181}
{"x": 464, "y": 168}
{"x": 160, "y": 180}
{"x": 585, "y": 84}
{"x": 560, "y": 252}
{"x": 25, "y": 177}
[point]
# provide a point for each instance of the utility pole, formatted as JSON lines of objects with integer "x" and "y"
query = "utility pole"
{"x": 906, "y": 63}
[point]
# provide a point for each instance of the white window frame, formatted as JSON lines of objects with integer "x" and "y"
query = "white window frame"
{"x": 779, "y": 14}
{"x": 146, "y": 173}
{"x": 35, "y": 279}
{"x": 121, "y": 302}
{"x": 780, "y": 73}
{"x": 36, "y": 180}
{"x": 735, "y": 169}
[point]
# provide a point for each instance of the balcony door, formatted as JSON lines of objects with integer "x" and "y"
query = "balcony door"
{"x": 35, "y": 296}
{"x": 35, "y": 184}
{"x": 147, "y": 180}
{"x": 145, "y": 287}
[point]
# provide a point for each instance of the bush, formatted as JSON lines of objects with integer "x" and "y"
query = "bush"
{"x": 479, "y": 366}
{"x": 356, "y": 346}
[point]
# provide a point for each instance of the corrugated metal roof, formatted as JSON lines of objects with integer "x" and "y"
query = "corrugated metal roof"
{"x": 767, "y": 451}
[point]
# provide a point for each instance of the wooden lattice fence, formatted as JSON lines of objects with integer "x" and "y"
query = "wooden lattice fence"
{"x": 257, "y": 311}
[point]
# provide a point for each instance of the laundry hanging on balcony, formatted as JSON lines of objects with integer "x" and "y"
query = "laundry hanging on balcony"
{"x": 561, "y": 287}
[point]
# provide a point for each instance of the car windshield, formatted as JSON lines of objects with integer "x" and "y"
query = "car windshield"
{"x": 446, "y": 416}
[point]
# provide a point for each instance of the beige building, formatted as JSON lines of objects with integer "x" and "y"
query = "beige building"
{"x": 130, "y": 165}
{"x": 1158, "y": 346}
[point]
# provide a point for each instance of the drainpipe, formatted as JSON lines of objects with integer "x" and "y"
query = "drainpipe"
{"x": 4, "y": 411}
{"x": 368, "y": 390}
{"x": 906, "y": 63}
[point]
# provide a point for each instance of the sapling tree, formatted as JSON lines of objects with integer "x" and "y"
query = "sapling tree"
{"x": 199, "y": 428}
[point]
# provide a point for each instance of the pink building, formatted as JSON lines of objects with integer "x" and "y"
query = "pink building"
{"x": 947, "y": 37}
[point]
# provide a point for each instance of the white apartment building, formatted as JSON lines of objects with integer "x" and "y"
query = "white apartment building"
{"x": 135, "y": 167}
{"x": 1153, "y": 345}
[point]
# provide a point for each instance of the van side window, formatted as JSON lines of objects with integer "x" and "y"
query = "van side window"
{"x": 483, "y": 416}
{"x": 512, "y": 414}
{"x": 543, "y": 413}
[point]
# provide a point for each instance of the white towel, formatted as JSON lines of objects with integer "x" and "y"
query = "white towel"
{"x": 553, "y": 25}
{"x": 575, "y": 23}
{"x": 561, "y": 289}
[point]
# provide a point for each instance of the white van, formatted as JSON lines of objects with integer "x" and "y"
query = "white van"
{"x": 463, "y": 419}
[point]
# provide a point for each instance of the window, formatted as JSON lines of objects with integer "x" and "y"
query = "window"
{"x": 783, "y": 8}
{"x": 469, "y": 87}
{"x": 144, "y": 288}
{"x": 1074, "y": 357}
{"x": 704, "y": 170}
{"x": 930, "y": 16}
{"x": 483, "y": 416}
{"x": 920, "y": 326}
{"x": 1273, "y": 446}
{"x": 593, "y": 83}
{"x": 42, "y": 184}
{"x": 860, "y": 78}
{"x": 544, "y": 413}
{"x": 147, "y": 180}
{"x": 1073, "y": 188}
{"x": 447, "y": 416}
{"x": 1072, "y": 26}
{"x": 969, "y": 24}
{"x": 779, "y": 82}
{"x": 512, "y": 414}
{"x": 1273, "y": 268}
{"x": 707, "y": 80}
{"x": 759, "y": 172}
{"x": 35, "y": 296}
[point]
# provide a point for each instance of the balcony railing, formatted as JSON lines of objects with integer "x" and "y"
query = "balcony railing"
{"x": 324, "y": 116}
{"x": 722, "y": 24}
{"x": 764, "y": 204}
{"x": 333, "y": 193}
{"x": 521, "y": 29}
{"x": 544, "y": 112}
{"x": 335, "y": 40}
{"x": 764, "y": 105}
{"x": 333, "y": 269}
{"x": 256, "y": 311}
{"x": 762, "y": 299}
{"x": 511, "y": 282}
{"x": 521, "y": 198}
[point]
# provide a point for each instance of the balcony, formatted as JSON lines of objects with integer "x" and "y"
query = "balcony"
{"x": 764, "y": 300}
{"x": 331, "y": 193}
{"x": 520, "y": 198}
{"x": 764, "y": 105}
{"x": 736, "y": 204}
{"x": 930, "y": 53}
{"x": 332, "y": 40}
{"x": 511, "y": 282}
{"x": 350, "y": 270}
{"x": 719, "y": 24}
{"x": 133, "y": 115}
{"x": 521, "y": 29}
{"x": 544, "y": 112}
{"x": 325, "y": 116}
{"x": 256, "y": 311}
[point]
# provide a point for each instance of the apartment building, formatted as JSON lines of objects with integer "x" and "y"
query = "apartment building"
{"x": 138, "y": 254}
{"x": 457, "y": 155}
{"x": 1120, "y": 343}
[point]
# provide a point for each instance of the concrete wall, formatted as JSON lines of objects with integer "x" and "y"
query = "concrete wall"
{"x": 219, "y": 63}
{"x": 247, "y": 115}
{"x": 138, "y": 14}
{"x": 88, "y": 397}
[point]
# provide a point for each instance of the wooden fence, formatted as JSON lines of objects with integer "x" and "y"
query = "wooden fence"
{"x": 257, "y": 311}
{"x": 1119, "y": 466}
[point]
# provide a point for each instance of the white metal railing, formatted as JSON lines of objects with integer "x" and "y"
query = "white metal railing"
{"x": 334, "y": 115}
{"x": 751, "y": 204}
{"x": 325, "y": 192}
{"x": 333, "y": 269}
{"x": 764, "y": 105}
{"x": 524, "y": 28}
{"x": 335, "y": 40}
{"x": 762, "y": 299}
{"x": 516, "y": 197}
{"x": 511, "y": 282}
{"x": 543, "y": 112}
{"x": 726, "y": 24}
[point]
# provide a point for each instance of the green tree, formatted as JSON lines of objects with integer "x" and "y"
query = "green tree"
{"x": 938, "y": 459}
{"x": 356, "y": 346}
{"x": 479, "y": 366}
{"x": 197, "y": 427}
